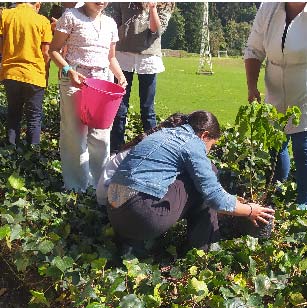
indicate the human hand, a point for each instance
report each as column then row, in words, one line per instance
column 76, row 78
column 53, row 23
column 122, row 81
column 152, row 5
column 254, row 94
column 260, row 213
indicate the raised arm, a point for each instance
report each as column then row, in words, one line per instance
column 159, row 16
column 154, row 19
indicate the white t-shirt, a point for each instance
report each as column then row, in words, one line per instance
column 89, row 39
column 106, row 176
column 140, row 63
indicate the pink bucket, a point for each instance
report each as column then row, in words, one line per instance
column 98, row 102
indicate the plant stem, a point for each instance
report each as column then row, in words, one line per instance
column 269, row 182
column 274, row 163
column 250, row 163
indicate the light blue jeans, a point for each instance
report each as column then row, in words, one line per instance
column 299, row 148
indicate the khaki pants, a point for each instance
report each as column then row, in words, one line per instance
column 84, row 150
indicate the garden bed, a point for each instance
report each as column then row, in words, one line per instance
column 63, row 254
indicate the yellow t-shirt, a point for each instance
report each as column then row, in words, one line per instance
column 23, row 31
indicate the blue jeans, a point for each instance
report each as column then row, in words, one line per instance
column 299, row 148
column 147, row 91
column 22, row 95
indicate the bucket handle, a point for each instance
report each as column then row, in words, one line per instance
column 105, row 92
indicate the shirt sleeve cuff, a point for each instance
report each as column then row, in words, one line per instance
column 251, row 53
column 230, row 203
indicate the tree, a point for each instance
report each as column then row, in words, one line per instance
column 234, row 19
column 237, row 11
column 236, row 35
column 174, row 36
column 217, row 39
column 45, row 8
column 193, row 15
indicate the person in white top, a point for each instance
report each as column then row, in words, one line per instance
column 90, row 37
column 279, row 35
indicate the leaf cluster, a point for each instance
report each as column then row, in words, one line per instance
column 248, row 150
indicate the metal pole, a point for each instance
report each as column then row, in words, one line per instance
column 205, row 59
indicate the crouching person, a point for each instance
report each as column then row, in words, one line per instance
column 167, row 177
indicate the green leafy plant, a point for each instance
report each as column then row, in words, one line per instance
column 250, row 147
column 247, row 156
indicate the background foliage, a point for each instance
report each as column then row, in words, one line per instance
column 229, row 24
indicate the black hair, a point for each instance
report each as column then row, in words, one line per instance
column 174, row 120
column 56, row 11
column 205, row 121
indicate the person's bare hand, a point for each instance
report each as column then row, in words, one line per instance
column 53, row 23
column 152, row 5
column 254, row 94
column 122, row 81
column 76, row 78
column 260, row 214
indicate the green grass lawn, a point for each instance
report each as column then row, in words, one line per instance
column 53, row 73
column 180, row 89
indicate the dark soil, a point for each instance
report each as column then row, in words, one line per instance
column 12, row 292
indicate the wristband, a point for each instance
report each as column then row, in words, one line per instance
column 65, row 70
column 250, row 211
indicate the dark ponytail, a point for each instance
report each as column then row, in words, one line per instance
column 174, row 120
column 205, row 121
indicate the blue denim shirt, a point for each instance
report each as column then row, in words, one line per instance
column 153, row 164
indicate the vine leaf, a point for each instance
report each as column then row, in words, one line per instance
column 63, row 264
column 131, row 301
column 4, row 231
column 16, row 181
column 45, row 246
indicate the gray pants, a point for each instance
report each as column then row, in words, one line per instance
column 145, row 217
